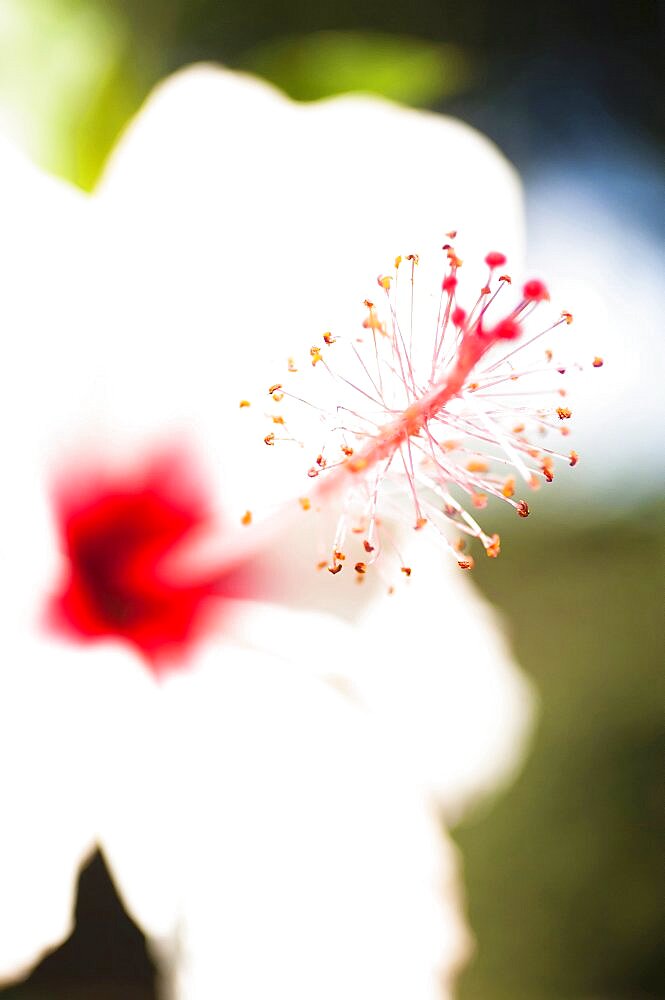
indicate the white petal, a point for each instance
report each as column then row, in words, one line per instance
column 430, row 664
column 246, row 225
column 51, row 710
column 53, row 737
column 439, row 672
column 45, row 377
column 225, row 783
column 278, row 847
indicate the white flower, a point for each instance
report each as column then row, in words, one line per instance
column 265, row 810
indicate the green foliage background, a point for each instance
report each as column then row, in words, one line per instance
column 563, row 873
column 562, row 870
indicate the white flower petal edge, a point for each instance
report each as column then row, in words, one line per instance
column 429, row 664
column 291, row 212
column 257, row 224
column 262, row 222
column 449, row 691
column 47, row 264
column 57, row 712
column 51, row 715
column 304, row 861
column 246, row 225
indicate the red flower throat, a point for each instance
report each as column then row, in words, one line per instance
column 117, row 531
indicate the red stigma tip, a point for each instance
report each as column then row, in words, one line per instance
column 507, row 329
column 495, row 259
column 535, row 291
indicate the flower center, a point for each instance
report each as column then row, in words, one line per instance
column 116, row 532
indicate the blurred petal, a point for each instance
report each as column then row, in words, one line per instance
column 439, row 672
column 45, row 376
column 245, row 225
column 248, row 807
column 53, row 715
column 47, row 750
column 429, row 664
column 262, row 222
column 291, row 854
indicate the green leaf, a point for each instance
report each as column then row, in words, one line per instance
column 406, row 69
column 67, row 83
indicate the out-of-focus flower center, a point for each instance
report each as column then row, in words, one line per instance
column 116, row 532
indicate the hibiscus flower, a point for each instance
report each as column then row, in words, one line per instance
column 258, row 749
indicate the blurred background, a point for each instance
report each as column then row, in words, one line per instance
column 562, row 870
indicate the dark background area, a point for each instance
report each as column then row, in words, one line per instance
column 562, row 870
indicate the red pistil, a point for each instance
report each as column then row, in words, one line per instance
column 456, row 386
column 473, row 345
